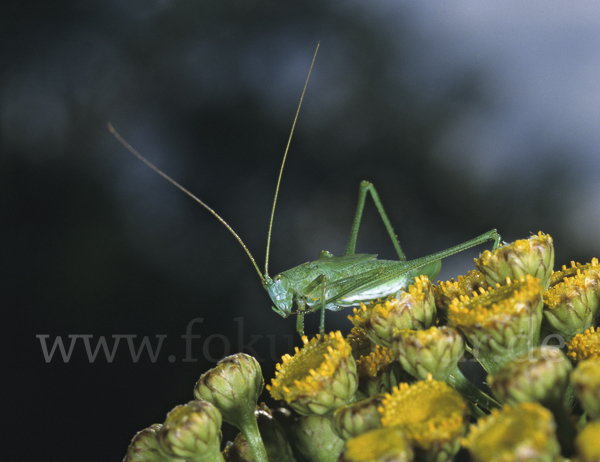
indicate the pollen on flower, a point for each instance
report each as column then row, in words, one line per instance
column 583, row 279
column 362, row 314
column 516, row 297
column 446, row 291
column 567, row 272
column 420, row 288
column 585, row 345
column 373, row 363
column 359, row 342
column 572, row 303
column 569, row 287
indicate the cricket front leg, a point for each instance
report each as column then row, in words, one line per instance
column 323, row 292
column 300, row 318
column 366, row 187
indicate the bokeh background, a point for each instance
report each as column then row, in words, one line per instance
column 466, row 116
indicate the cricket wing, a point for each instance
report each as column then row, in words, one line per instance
column 344, row 262
column 395, row 277
column 339, row 290
column 381, row 282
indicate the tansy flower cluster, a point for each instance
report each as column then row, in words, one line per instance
column 393, row 389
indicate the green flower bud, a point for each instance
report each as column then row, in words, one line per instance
column 533, row 256
column 144, row 447
column 192, row 432
column 571, row 304
column 585, row 345
column 234, row 386
column 315, row 440
column 540, row 376
column 434, row 351
column 387, row 444
column 588, row 449
column 318, row 378
column 523, row 432
column 353, row 419
column 432, row 415
column 501, row 323
column 379, row 372
column 414, row 309
column 586, row 381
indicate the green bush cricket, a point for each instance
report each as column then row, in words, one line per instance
column 332, row 282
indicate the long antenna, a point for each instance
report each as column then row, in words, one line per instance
column 283, row 163
column 172, row 181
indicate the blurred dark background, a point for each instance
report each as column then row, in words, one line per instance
column 465, row 116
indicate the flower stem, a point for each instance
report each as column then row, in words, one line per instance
column 565, row 429
column 252, row 434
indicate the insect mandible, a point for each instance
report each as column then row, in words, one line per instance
column 333, row 283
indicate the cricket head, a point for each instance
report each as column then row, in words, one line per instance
column 281, row 293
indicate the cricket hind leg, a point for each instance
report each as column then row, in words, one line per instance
column 430, row 261
column 366, row 187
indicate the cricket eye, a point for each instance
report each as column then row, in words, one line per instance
column 282, row 283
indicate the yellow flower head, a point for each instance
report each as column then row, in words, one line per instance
column 431, row 413
column 587, row 445
column 376, row 362
column 491, row 319
column 319, row 378
column 447, row 291
column 572, row 302
column 585, row 345
column 510, row 434
column 378, row 372
column 379, row 445
column 360, row 343
column 415, row 309
column 534, row 256
column 567, row 272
